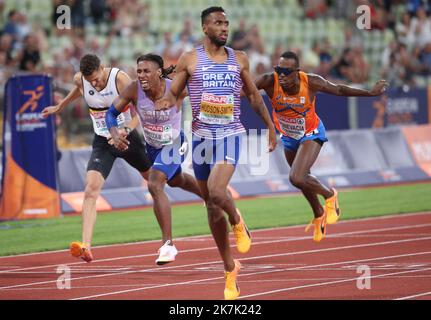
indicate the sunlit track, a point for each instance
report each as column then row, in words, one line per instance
column 282, row 262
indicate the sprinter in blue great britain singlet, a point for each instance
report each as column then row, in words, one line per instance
column 164, row 141
column 215, row 75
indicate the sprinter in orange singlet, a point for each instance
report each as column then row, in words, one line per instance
column 293, row 98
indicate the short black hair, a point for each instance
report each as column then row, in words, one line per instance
column 88, row 64
column 290, row 55
column 208, row 11
column 151, row 57
column 159, row 60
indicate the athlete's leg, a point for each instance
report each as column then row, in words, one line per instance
column 300, row 175
column 162, row 207
column 311, row 197
column 186, row 182
column 137, row 156
column 227, row 153
column 145, row 174
column 202, row 153
column 98, row 168
column 219, row 195
column 216, row 218
column 218, row 225
column 218, row 181
column 163, row 171
column 94, row 183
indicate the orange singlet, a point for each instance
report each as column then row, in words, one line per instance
column 294, row 115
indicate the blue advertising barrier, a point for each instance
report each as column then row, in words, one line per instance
column 30, row 186
column 333, row 111
column 394, row 108
column 351, row 158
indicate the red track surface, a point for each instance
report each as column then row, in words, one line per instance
column 283, row 263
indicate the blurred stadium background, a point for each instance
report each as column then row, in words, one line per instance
column 373, row 140
column 323, row 32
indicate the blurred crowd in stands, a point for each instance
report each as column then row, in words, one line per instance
column 405, row 59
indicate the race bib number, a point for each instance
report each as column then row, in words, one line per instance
column 99, row 123
column 216, row 109
column 158, row 135
column 293, row 127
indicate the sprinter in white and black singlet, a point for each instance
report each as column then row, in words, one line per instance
column 100, row 86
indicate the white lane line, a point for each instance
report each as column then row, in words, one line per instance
column 215, row 262
column 250, row 274
column 219, row 282
column 334, row 235
column 303, row 268
column 415, row 296
column 336, row 248
column 391, row 216
column 327, row 283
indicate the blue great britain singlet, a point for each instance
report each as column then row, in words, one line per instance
column 214, row 90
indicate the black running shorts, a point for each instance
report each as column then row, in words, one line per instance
column 103, row 155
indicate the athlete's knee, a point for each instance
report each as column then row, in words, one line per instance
column 92, row 190
column 215, row 217
column 210, row 205
column 217, row 195
column 297, row 180
column 155, row 187
column 214, row 212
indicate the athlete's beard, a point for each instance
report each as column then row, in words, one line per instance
column 217, row 41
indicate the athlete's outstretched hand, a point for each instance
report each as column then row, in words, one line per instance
column 379, row 88
column 50, row 110
column 272, row 139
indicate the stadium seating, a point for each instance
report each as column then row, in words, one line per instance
column 283, row 24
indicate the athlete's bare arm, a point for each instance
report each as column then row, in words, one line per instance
column 134, row 122
column 255, row 98
column 317, row 83
column 184, row 70
column 128, row 95
column 123, row 80
column 266, row 82
column 74, row 94
column 181, row 98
